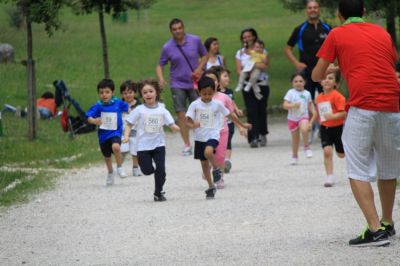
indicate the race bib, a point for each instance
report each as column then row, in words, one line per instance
column 153, row 123
column 205, row 117
column 324, row 108
column 109, row 121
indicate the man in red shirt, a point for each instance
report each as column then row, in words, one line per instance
column 371, row 139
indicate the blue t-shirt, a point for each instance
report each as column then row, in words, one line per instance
column 115, row 108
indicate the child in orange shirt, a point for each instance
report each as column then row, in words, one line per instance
column 46, row 105
column 331, row 112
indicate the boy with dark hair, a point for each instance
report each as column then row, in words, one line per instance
column 107, row 114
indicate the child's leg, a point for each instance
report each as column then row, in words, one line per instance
column 116, row 148
column 220, row 151
column 109, row 166
column 159, row 173
column 228, row 154
column 303, row 125
column 254, row 76
column 295, row 142
column 135, row 161
column 205, row 166
column 209, row 154
column 242, row 78
column 328, row 160
column 146, row 162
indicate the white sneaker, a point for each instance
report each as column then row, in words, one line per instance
column 187, row 151
column 328, row 181
column 238, row 87
column 121, row 172
column 248, row 87
column 110, row 178
column 308, row 153
column 294, row 161
column 136, row 171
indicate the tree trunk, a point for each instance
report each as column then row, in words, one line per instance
column 391, row 23
column 31, row 84
column 104, row 45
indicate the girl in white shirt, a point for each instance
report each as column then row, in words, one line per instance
column 299, row 104
column 149, row 119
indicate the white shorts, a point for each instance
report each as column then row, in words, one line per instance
column 371, row 143
column 130, row 146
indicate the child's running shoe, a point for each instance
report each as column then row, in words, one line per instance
column 294, row 160
column 160, row 197
column 217, row 174
column 328, row 181
column 221, row 184
column 210, row 193
column 110, row 178
column 389, row 228
column 371, row 239
column 187, row 151
column 308, row 152
column 136, row 171
column 121, row 172
column 227, row 166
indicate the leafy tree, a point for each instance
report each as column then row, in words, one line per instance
column 36, row 11
column 139, row 5
column 113, row 7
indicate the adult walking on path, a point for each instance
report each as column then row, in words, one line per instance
column 256, row 109
column 366, row 57
column 308, row 37
column 268, row 214
column 187, row 57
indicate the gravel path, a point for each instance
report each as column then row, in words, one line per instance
column 270, row 213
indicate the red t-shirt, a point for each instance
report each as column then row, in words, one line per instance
column 366, row 57
column 337, row 103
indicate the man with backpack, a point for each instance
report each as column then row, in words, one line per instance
column 309, row 37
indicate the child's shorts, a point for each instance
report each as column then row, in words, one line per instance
column 294, row 125
column 332, row 136
column 130, row 146
column 106, row 146
column 200, row 147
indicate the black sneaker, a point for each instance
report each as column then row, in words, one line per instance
column 160, row 197
column 254, row 143
column 370, row 239
column 217, row 174
column 210, row 193
column 389, row 228
column 263, row 140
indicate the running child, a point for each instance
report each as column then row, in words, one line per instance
column 223, row 87
column 128, row 90
column 220, row 151
column 107, row 114
column 149, row 119
column 331, row 112
column 299, row 104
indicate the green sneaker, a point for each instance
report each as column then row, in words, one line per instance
column 389, row 228
column 371, row 239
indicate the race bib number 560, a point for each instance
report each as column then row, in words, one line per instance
column 153, row 123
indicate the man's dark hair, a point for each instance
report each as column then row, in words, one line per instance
column 351, row 8
column 175, row 21
column 206, row 82
column 105, row 83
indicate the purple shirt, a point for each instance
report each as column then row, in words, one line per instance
column 180, row 73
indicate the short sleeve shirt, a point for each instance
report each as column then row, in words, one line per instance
column 209, row 116
column 312, row 39
column 111, row 116
column 180, row 72
column 304, row 98
column 332, row 102
column 149, row 122
column 366, row 57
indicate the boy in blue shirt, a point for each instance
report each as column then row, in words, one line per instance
column 107, row 114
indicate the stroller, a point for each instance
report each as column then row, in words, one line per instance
column 72, row 124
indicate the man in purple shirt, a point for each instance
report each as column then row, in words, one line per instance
column 187, row 57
